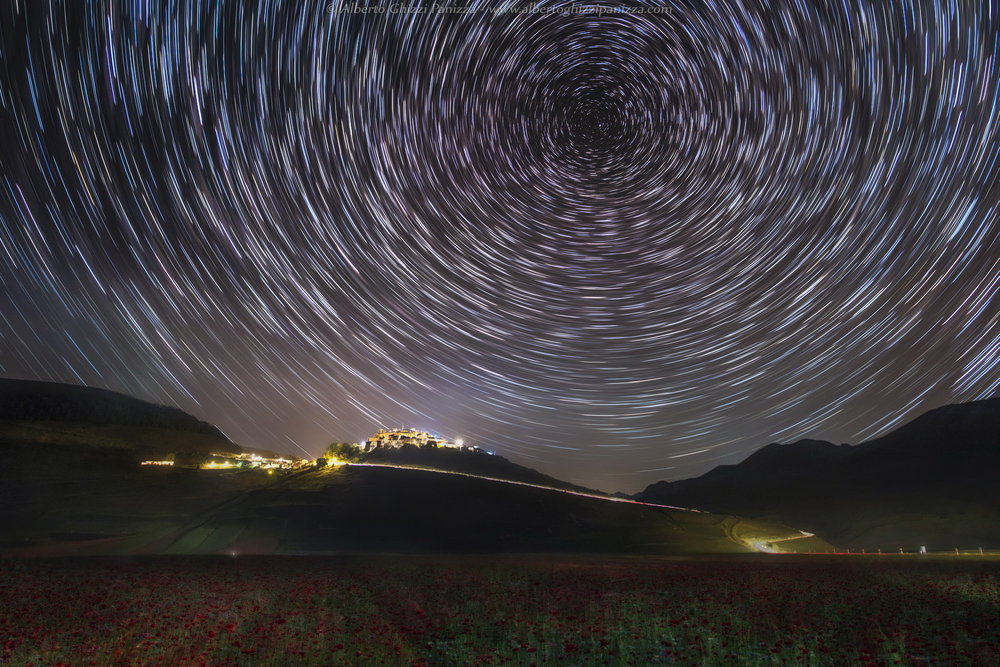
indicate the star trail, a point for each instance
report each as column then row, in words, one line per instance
column 618, row 242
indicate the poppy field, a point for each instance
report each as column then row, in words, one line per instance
column 519, row 610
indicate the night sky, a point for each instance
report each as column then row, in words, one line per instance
column 616, row 246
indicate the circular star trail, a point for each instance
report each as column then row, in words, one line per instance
column 619, row 242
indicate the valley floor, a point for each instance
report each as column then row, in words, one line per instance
column 522, row 610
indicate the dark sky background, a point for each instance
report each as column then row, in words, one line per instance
column 617, row 247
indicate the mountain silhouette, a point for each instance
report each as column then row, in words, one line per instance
column 931, row 482
column 52, row 415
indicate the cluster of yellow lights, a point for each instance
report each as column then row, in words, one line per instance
column 248, row 460
column 213, row 465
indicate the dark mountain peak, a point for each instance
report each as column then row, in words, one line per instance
column 35, row 401
column 930, row 481
column 975, row 415
column 972, row 409
column 818, row 445
column 798, row 450
column 772, row 465
column 656, row 490
column 77, row 421
column 962, row 427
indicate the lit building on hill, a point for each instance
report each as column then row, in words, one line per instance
column 401, row 437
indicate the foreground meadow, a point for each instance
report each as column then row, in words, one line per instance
column 518, row 610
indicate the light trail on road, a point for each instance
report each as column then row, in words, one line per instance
column 528, row 484
column 759, row 545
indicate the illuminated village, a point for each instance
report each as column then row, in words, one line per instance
column 253, row 460
column 383, row 439
column 243, row 460
column 402, row 437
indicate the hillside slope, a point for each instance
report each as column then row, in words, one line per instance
column 47, row 413
column 73, row 485
column 478, row 463
column 102, row 504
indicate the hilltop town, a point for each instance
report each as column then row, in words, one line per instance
column 403, row 437
column 383, row 440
